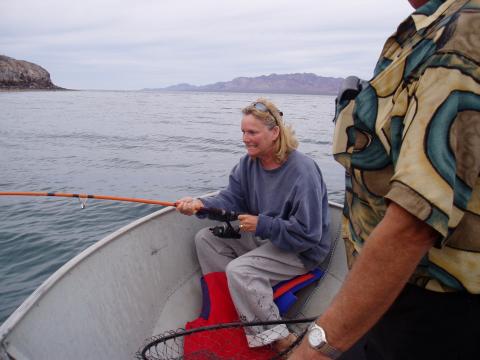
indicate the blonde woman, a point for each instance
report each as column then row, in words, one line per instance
column 284, row 223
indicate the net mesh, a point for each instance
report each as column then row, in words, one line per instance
column 222, row 342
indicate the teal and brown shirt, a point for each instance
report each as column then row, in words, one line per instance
column 412, row 136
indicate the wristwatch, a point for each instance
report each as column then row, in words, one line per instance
column 318, row 341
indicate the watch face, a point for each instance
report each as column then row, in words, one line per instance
column 316, row 338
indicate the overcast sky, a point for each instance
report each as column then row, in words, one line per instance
column 134, row 44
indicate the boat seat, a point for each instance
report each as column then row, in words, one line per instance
column 284, row 292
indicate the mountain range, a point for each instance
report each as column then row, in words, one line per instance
column 300, row 83
column 19, row 74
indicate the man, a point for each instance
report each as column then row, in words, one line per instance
column 410, row 143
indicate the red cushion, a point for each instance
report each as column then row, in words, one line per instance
column 225, row 343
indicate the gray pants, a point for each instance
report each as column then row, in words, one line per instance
column 252, row 266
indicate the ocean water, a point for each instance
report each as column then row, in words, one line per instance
column 152, row 145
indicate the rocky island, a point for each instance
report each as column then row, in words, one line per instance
column 24, row 75
column 300, row 83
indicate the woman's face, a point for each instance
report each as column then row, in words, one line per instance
column 258, row 138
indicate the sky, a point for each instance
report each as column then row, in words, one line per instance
column 135, row 44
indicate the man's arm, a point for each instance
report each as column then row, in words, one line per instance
column 387, row 260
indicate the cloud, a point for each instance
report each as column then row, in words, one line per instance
column 126, row 44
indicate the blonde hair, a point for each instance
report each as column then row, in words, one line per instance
column 286, row 141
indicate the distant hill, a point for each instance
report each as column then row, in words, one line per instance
column 306, row 83
column 19, row 74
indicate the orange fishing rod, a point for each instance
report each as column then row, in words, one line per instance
column 213, row 213
column 87, row 196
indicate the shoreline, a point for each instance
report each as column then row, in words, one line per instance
column 6, row 90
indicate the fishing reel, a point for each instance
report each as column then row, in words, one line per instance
column 225, row 230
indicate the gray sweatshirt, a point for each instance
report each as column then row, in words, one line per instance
column 290, row 201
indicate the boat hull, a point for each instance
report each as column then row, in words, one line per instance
column 137, row 282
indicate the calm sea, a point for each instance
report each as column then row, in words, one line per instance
column 138, row 144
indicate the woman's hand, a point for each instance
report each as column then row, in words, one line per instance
column 248, row 223
column 188, row 205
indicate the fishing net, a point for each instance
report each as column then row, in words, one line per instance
column 220, row 342
column 220, row 333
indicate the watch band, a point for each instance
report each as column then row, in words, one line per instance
column 330, row 351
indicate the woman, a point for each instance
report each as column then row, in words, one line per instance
column 284, row 223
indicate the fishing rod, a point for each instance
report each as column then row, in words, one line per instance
column 87, row 196
column 212, row 213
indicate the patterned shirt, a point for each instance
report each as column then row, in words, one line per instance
column 412, row 135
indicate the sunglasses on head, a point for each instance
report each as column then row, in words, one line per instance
column 263, row 108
